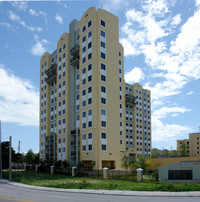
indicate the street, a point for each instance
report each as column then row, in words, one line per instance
column 13, row 193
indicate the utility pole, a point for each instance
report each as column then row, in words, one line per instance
column 10, row 159
column 19, row 148
column 0, row 154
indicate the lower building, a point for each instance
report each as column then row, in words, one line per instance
column 192, row 144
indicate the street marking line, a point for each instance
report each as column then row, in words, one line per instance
column 15, row 199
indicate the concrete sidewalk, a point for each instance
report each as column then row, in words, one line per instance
column 106, row 192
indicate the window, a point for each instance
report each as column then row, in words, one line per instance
column 83, row 81
column 103, row 45
column 89, row 101
column 83, row 70
column 103, row 124
column 83, row 28
column 83, row 136
column 89, row 135
column 90, row 112
column 83, row 39
column 89, row 67
column 103, row 89
column 103, row 147
column 90, row 89
column 83, row 60
column 89, row 56
column 77, row 37
column 83, row 125
column 120, row 53
column 89, row 124
column 89, row 45
column 103, row 55
column 103, row 78
column 63, row 46
column 89, row 78
column 83, row 103
column 89, row 147
column 84, row 114
column 103, row 34
column 103, row 135
column 103, row 23
column 83, row 49
column 103, row 66
column 59, row 50
column 83, row 148
column 103, row 112
column 121, row 142
column 103, row 100
column 120, row 62
column 83, row 92
column 89, row 34
column 89, row 23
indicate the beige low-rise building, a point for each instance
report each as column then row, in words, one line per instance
column 192, row 144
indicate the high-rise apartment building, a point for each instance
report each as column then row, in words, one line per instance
column 82, row 96
column 138, row 119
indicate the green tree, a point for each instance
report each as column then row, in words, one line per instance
column 155, row 153
column 183, row 150
column 30, row 157
column 125, row 163
column 5, row 154
column 141, row 163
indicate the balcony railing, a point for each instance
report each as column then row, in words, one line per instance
column 75, row 50
column 51, row 78
column 74, row 61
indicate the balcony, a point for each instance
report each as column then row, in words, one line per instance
column 52, row 69
column 130, row 100
column 74, row 61
column 51, row 78
column 75, row 50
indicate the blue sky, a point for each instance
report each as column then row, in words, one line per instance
column 161, row 42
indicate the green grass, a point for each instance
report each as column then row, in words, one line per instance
column 66, row 182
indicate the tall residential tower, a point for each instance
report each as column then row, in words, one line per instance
column 82, row 95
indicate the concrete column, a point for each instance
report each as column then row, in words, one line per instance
column 36, row 168
column 73, row 171
column 105, row 173
column 139, row 174
column 52, row 169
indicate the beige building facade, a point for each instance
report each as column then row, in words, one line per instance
column 192, row 144
column 82, row 96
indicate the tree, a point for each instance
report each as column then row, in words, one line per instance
column 141, row 163
column 183, row 150
column 5, row 154
column 125, row 161
column 30, row 157
column 154, row 153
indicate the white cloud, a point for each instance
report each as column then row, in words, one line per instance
column 38, row 48
column 134, row 76
column 197, row 2
column 5, row 24
column 34, row 13
column 190, row 93
column 176, row 20
column 16, row 18
column 20, row 5
column 19, row 101
column 167, row 132
column 59, row 19
column 113, row 5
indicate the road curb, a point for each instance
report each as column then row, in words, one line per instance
column 107, row 192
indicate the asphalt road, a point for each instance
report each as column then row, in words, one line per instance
column 10, row 193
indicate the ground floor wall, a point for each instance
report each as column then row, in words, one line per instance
column 158, row 162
